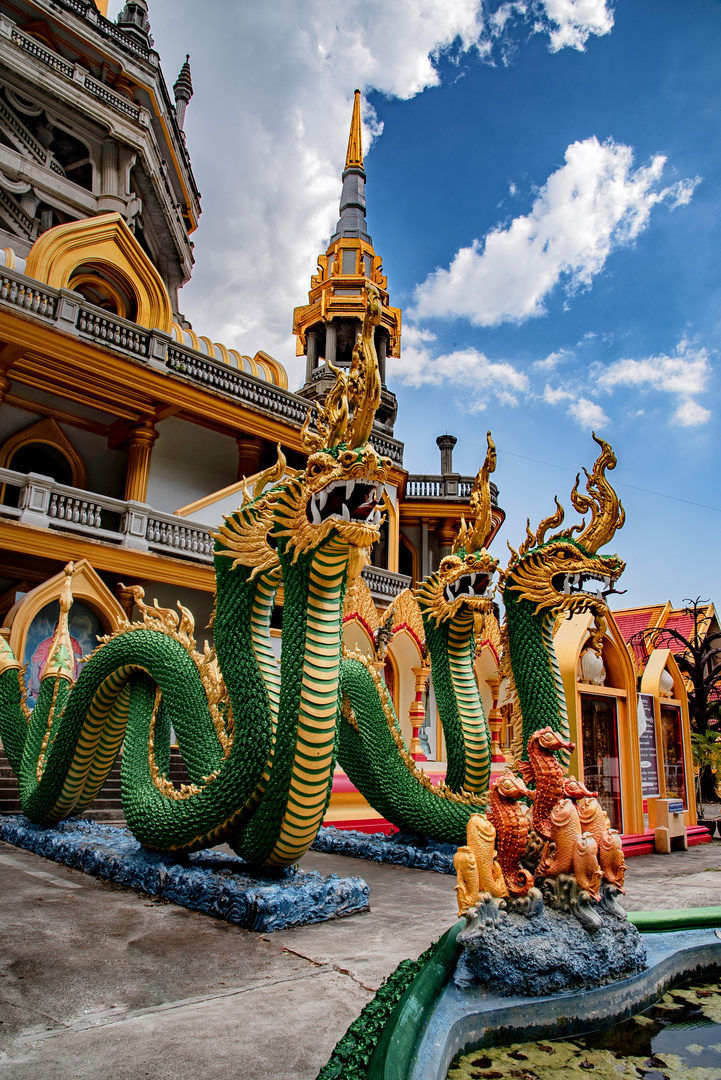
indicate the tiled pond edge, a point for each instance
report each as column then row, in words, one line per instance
column 467, row 1019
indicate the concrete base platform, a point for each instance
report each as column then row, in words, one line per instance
column 101, row 983
column 216, row 883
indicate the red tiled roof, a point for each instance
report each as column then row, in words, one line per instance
column 631, row 622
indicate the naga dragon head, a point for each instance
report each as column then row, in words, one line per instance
column 341, row 488
column 556, row 574
column 465, row 577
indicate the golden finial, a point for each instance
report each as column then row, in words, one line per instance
column 480, row 501
column 354, row 156
column 358, row 392
column 61, row 658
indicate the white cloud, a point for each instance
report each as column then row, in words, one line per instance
column 589, row 206
column 481, row 379
column 573, row 22
column 585, row 412
column 552, row 361
column 568, row 23
column 684, row 376
column 553, row 395
column 267, row 132
column 588, row 414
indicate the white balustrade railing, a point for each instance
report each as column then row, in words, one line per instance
column 384, row 585
column 441, row 487
column 46, row 504
column 166, row 532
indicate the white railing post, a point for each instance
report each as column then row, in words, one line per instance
column 134, row 526
column 35, row 500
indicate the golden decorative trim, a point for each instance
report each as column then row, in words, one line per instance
column 359, row 390
column 60, row 663
column 406, row 612
column 107, row 241
column 607, row 513
column 480, row 506
column 49, row 432
column 359, row 604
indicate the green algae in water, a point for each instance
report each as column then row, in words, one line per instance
column 678, row 1038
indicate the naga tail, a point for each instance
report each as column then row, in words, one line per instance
column 13, row 712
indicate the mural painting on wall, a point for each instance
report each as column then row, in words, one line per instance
column 85, row 627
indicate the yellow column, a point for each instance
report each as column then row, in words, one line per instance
column 417, row 712
column 393, row 532
column 495, row 722
column 140, row 445
column 8, row 355
column 249, row 450
column 446, row 532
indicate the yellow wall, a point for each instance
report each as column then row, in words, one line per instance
column 620, row 684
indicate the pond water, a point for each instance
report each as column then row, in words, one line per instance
column 678, row 1038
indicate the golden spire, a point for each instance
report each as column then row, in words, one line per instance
column 481, row 505
column 346, row 415
column 354, row 156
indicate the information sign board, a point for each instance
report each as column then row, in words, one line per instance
column 648, row 747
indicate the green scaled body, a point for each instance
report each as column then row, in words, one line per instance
column 259, row 744
column 372, row 752
column 465, row 729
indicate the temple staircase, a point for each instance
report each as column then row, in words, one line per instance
column 107, row 806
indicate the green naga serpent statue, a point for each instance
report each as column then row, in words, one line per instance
column 548, row 578
column 377, row 760
column 545, row 580
column 258, row 739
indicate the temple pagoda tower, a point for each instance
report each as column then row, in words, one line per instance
column 326, row 327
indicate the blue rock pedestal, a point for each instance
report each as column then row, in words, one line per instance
column 399, row 849
column 549, row 953
column 209, row 881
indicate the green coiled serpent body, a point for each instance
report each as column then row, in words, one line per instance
column 266, row 792
column 540, row 693
column 368, row 750
column 465, row 729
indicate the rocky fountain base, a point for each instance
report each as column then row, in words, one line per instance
column 548, row 953
column 542, row 949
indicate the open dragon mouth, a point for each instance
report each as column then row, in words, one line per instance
column 349, row 500
column 573, row 584
column 474, row 586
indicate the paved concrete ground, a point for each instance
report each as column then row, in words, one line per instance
column 99, row 983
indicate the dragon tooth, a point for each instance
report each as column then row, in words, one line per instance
column 349, row 485
column 345, row 513
column 322, row 498
column 314, row 511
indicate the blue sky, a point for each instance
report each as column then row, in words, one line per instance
column 543, row 185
